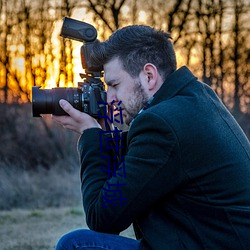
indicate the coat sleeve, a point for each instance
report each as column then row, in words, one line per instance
column 151, row 172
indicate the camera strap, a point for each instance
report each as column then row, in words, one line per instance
column 97, row 96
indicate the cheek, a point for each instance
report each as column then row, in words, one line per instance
column 120, row 94
column 110, row 95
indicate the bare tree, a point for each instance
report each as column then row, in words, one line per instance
column 239, row 53
column 4, row 56
column 210, row 35
column 103, row 9
column 217, row 32
column 66, row 8
column 11, row 77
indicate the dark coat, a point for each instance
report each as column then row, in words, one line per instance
column 187, row 183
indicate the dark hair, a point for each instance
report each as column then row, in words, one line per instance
column 135, row 46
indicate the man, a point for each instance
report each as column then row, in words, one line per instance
column 186, row 160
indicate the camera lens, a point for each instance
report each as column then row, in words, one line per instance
column 46, row 101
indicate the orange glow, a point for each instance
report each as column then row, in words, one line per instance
column 43, row 68
column 180, row 59
column 142, row 16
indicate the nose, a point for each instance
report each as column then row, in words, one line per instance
column 111, row 96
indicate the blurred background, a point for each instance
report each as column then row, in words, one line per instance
column 38, row 160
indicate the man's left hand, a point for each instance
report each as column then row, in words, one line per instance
column 77, row 120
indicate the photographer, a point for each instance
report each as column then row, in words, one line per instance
column 186, row 160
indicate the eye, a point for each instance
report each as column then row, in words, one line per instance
column 115, row 85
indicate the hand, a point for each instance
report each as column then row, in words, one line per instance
column 102, row 121
column 77, row 120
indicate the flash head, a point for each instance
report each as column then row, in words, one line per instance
column 76, row 30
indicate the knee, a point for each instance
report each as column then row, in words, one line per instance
column 64, row 242
column 69, row 240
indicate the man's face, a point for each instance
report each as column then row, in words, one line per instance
column 122, row 87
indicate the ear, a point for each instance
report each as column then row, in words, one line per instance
column 152, row 75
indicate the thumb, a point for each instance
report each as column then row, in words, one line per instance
column 66, row 106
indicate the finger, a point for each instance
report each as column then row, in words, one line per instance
column 68, row 108
column 59, row 119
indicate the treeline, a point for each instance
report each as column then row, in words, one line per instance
column 211, row 37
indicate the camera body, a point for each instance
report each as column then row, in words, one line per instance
column 92, row 98
column 90, row 95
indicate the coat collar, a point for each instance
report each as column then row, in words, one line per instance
column 173, row 84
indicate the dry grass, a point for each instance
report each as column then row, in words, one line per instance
column 36, row 229
column 40, row 229
column 21, row 188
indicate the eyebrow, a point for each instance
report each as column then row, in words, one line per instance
column 110, row 82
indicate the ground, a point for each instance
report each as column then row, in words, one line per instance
column 40, row 229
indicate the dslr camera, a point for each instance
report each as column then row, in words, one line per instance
column 90, row 94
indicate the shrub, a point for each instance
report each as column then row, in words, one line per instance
column 38, row 160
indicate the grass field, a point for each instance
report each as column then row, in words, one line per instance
column 40, row 229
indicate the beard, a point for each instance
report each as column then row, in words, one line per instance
column 135, row 104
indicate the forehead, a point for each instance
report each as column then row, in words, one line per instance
column 113, row 69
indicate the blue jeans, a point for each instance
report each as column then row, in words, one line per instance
column 90, row 240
